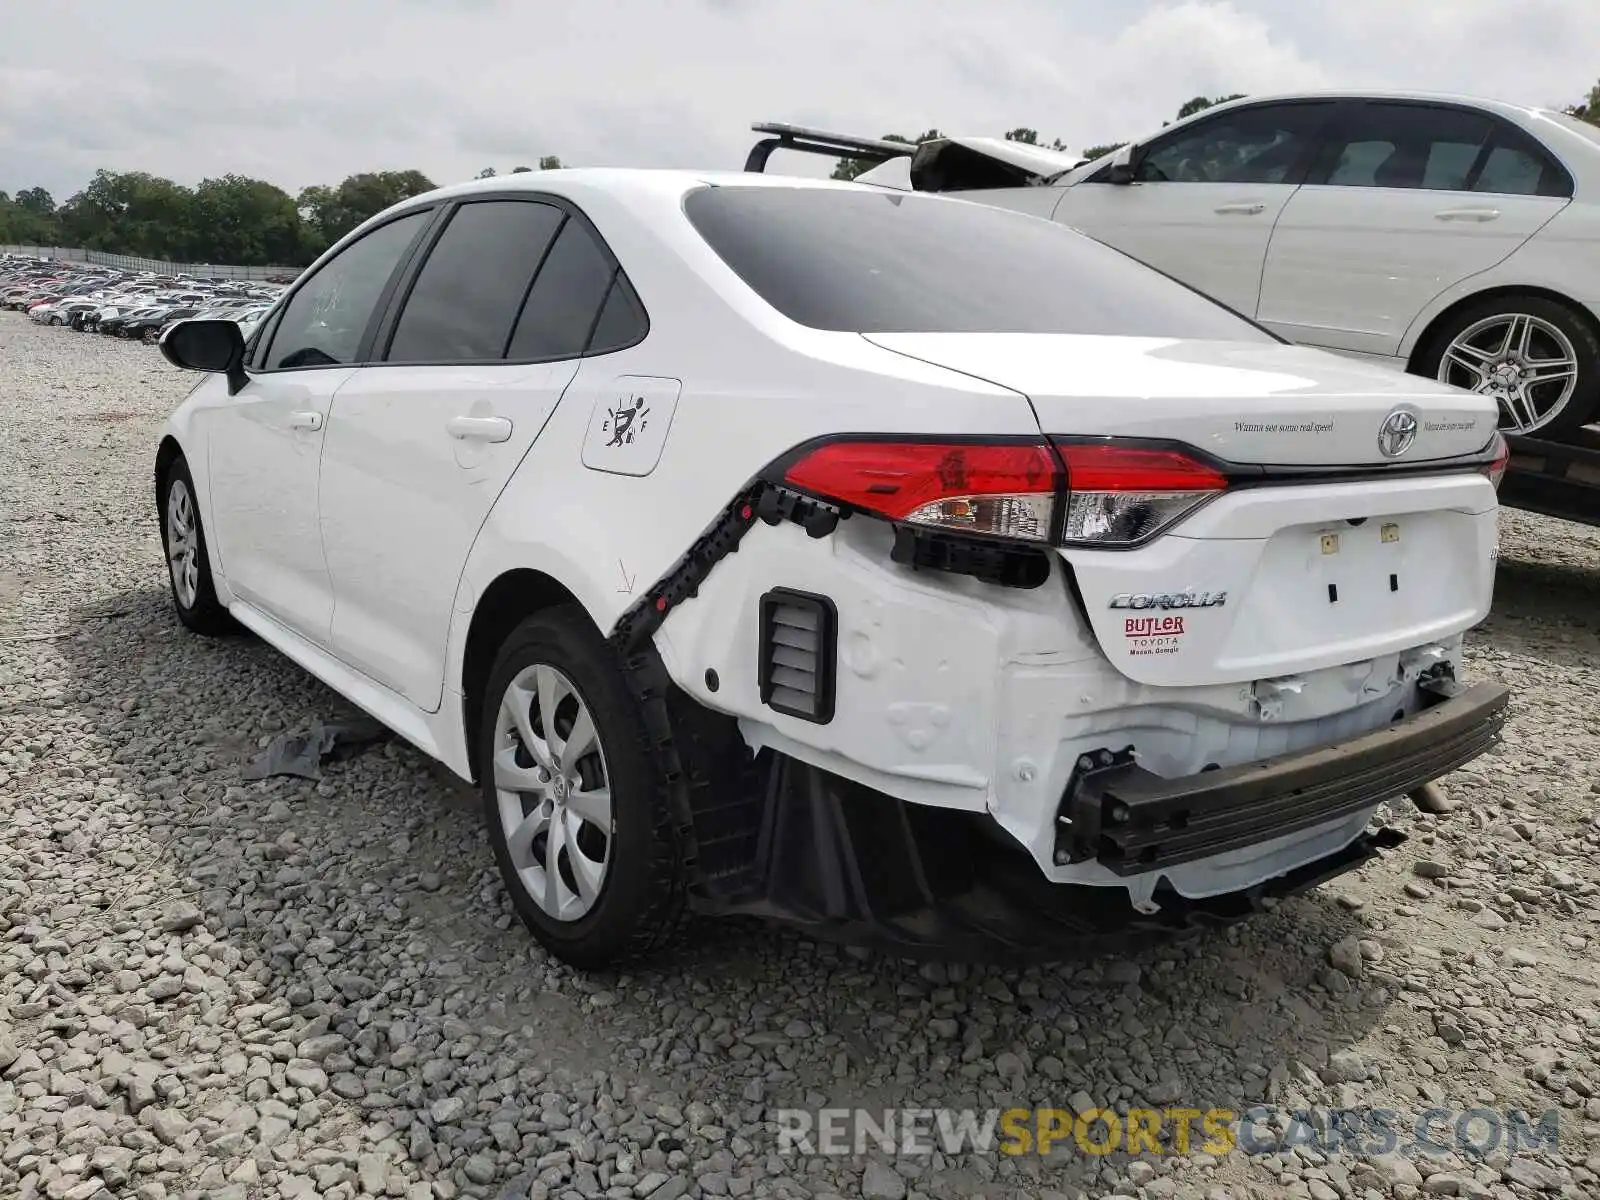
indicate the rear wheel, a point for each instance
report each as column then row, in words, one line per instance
column 188, row 567
column 579, row 820
column 1536, row 357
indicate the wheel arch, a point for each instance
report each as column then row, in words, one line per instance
column 167, row 453
column 510, row 599
column 1425, row 340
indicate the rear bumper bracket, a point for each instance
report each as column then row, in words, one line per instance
column 1133, row 821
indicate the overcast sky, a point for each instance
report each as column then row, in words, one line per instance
column 309, row 91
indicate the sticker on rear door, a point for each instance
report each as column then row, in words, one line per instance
column 1153, row 635
column 629, row 424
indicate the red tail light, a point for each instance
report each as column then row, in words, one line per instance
column 1495, row 469
column 1005, row 490
column 1119, row 496
column 1112, row 496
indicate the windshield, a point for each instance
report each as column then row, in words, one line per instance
column 872, row 262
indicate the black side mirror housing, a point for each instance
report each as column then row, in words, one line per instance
column 215, row 346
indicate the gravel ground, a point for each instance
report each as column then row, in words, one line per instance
column 291, row 988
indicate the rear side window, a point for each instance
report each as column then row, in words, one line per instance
column 870, row 262
column 1517, row 165
column 467, row 295
column 1408, row 146
column 1436, row 148
column 622, row 320
column 564, row 305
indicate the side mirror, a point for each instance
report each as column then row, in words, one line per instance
column 1124, row 165
column 215, row 346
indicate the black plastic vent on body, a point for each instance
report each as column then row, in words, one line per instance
column 798, row 631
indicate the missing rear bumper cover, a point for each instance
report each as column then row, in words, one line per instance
column 1134, row 821
column 846, row 863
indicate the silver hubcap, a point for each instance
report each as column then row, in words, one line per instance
column 553, row 791
column 1528, row 365
column 183, row 543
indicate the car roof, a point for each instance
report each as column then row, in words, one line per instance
column 642, row 181
column 1503, row 107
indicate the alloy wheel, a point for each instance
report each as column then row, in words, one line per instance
column 1527, row 364
column 553, row 792
column 183, row 543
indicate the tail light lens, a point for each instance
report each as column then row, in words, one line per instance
column 1098, row 494
column 1005, row 490
column 1495, row 469
column 1119, row 496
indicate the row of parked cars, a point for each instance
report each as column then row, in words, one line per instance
column 135, row 306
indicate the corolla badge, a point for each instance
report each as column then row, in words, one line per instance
column 1169, row 600
column 1397, row 433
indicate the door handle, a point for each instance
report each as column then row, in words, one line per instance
column 305, row 420
column 1467, row 214
column 478, row 429
column 1248, row 208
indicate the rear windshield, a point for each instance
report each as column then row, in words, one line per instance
column 866, row 262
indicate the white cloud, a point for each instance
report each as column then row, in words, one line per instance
column 308, row 91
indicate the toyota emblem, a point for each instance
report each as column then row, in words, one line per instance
column 1395, row 435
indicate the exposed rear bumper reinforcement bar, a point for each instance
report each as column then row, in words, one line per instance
column 1133, row 821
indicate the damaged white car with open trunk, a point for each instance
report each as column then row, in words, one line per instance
column 912, row 570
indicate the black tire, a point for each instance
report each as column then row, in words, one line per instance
column 1580, row 409
column 641, row 902
column 204, row 613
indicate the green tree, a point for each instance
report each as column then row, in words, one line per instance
column 131, row 212
column 849, row 168
column 330, row 213
column 247, row 221
column 29, row 219
column 549, row 163
column 1200, row 103
column 486, row 173
column 520, row 170
column 36, row 201
column 1589, row 109
column 1098, row 151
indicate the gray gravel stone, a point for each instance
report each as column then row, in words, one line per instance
column 879, row 1182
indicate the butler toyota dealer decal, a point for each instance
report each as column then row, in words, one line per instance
column 1160, row 635
column 1153, row 635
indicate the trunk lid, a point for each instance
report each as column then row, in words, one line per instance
column 1247, row 402
column 1266, row 580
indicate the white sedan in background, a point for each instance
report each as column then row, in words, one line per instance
column 1452, row 237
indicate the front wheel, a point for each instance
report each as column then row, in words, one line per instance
column 183, row 538
column 1536, row 357
column 580, row 821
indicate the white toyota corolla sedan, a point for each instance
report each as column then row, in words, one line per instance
column 910, row 569
column 1454, row 237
